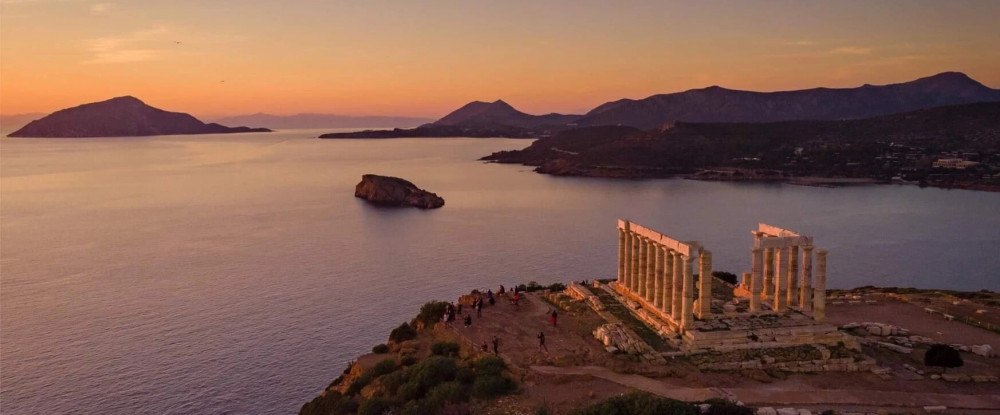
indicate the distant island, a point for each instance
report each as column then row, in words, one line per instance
column 308, row 120
column 125, row 116
column 713, row 104
column 954, row 146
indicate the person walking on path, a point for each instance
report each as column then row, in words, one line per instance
column 541, row 342
column 468, row 321
column 496, row 346
column 554, row 317
column 479, row 308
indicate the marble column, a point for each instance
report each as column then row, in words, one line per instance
column 687, row 316
column 621, row 256
column 819, row 293
column 769, row 274
column 628, row 260
column 658, row 271
column 704, row 285
column 792, row 279
column 678, row 288
column 756, row 279
column 805, row 294
column 781, row 261
column 634, row 263
column 668, row 281
column 643, row 265
column 650, row 289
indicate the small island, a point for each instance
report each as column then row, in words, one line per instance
column 393, row 191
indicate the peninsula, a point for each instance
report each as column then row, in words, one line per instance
column 125, row 116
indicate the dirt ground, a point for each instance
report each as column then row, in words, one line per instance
column 576, row 370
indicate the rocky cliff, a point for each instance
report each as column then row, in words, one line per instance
column 393, row 191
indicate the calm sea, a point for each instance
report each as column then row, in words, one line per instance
column 238, row 273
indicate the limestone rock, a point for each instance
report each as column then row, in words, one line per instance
column 393, row 191
column 984, row 350
column 767, row 410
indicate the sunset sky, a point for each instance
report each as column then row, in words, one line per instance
column 425, row 58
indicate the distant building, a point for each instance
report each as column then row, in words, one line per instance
column 953, row 163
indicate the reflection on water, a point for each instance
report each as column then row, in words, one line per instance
column 206, row 274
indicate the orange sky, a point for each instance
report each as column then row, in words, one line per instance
column 427, row 57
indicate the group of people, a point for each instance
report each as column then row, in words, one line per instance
column 477, row 304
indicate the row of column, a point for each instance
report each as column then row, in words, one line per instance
column 663, row 277
column 775, row 276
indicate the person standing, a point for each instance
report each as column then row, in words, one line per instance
column 479, row 308
column 541, row 342
column 554, row 317
column 496, row 346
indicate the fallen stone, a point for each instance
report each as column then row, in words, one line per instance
column 788, row 411
column 767, row 410
column 935, row 409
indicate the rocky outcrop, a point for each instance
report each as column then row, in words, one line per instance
column 393, row 191
column 121, row 117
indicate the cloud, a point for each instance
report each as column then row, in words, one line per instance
column 133, row 47
column 799, row 43
column 850, row 50
column 101, row 8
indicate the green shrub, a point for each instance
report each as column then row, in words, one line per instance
column 408, row 360
column 723, row 407
column 557, row 287
column 380, row 349
column 332, row 403
column 638, row 403
column 419, row 407
column 533, row 286
column 402, row 333
column 359, row 384
column 376, row 405
column 465, row 375
column 827, row 412
column 430, row 314
column 409, row 391
column 489, row 365
column 448, row 392
column 433, row 371
column 386, row 366
column 492, row 385
column 726, row 276
column 445, row 349
column 393, row 381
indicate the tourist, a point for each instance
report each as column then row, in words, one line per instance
column 541, row 342
column 484, row 347
column 496, row 346
column 501, row 291
column 468, row 320
column 514, row 299
column 479, row 308
column 554, row 317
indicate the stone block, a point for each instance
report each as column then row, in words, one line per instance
column 767, row 410
column 787, row 411
column 984, row 350
column 936, row 409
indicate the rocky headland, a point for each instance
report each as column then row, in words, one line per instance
column 121, row 117
column 435, row 365
column 393, row 191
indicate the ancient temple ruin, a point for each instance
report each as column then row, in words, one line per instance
column 777, row 304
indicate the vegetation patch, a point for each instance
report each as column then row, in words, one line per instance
column 638, row 403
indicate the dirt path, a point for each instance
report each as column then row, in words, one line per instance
column 778, row 395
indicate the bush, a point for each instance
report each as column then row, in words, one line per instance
column 332, row 403
column 638, row 403
column 430, row 314
column 492, row 385
column 393, row 381
column 380, row 349
column 409, row 391
column 726, row 276
column 359, row 384
column 384, row 367
column 408, row 360
column 557, row 287
column 374, row 406
column 448, row 392
column 489, row 366
column 465, row 375
column 402, row 333
column 723, row 407
column 445, row 349
column 533, row 286
column 433, row 371
column 418, row 407
column 943, row 355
